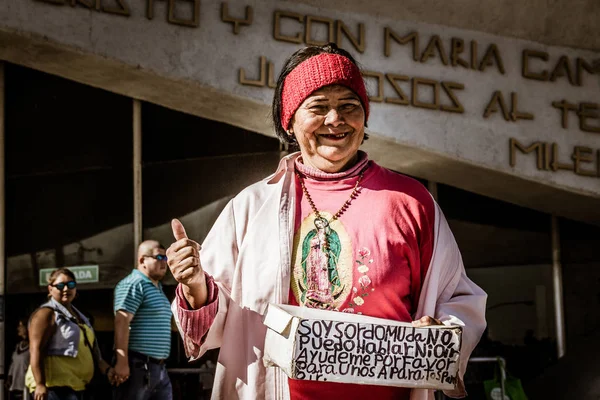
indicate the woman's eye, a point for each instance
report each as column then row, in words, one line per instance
column 318, row 108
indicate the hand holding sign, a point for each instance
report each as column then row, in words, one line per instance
column 426, row 321
column 184, row 262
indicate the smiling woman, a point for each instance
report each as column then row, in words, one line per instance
column 331, row 230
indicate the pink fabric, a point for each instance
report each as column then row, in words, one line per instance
column 318, row 175
column 197, row 322
column 390, row 225
column 319, row 71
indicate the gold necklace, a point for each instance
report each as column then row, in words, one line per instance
column 319, row 220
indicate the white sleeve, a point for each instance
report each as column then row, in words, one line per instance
column 450, row 296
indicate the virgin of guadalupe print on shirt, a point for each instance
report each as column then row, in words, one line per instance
column 322, row 263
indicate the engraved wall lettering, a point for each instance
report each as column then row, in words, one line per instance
column 121, row 8
column 516, row 146
column 457, row 46
column 194, row 22
column 402, row 98
column 490, row 58
column 342, row 30
column 379, row 76
column 527, row 55
column 435, row 43
column 411, row 37
column 417, row 83
column 277, row 35
column 262, row 76
column 236, row 22
column 449, row 88
column 562, row 68
column 308, row 32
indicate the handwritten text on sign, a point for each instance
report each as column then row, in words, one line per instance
column 330, row 350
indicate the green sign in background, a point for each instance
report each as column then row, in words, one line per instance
column 83, row 274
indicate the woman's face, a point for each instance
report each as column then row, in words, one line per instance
column 329, row 127
column 65, row 295
column 22, row 330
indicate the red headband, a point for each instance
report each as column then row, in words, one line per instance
column 321, row 70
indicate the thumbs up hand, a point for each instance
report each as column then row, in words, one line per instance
column 184, row 262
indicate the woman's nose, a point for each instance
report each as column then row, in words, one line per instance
column 334, row 118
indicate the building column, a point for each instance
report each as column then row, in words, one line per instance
column 2, row 235
column 433, row 189
column 137, row 177
column 557, row 285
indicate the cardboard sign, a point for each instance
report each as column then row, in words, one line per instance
column 320, row 345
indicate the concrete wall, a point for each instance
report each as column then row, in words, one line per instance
column 582, row 300
column 570, row 23
column 113, row 250
column 197, row 70
column 519, row 298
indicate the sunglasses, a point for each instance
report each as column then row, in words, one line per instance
column 69, row 285
column 159, row 257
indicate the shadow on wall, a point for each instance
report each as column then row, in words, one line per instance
column 197, row 224
column 575, row 376
column 110, row 250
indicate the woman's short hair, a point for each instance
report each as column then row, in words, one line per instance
column 290, row 64
column 61, row 271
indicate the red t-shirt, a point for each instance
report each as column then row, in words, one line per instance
column 382, row 246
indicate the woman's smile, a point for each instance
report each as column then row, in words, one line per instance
column 334, row 136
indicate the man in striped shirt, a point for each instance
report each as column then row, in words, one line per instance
column 143, row 329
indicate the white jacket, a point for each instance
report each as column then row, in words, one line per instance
column 248, row 251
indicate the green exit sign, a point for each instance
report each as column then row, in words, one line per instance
column 83, row 274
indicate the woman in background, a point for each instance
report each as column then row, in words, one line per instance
column 19, row 364
column 64, row 350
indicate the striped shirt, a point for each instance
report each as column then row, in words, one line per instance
column 150, row 328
